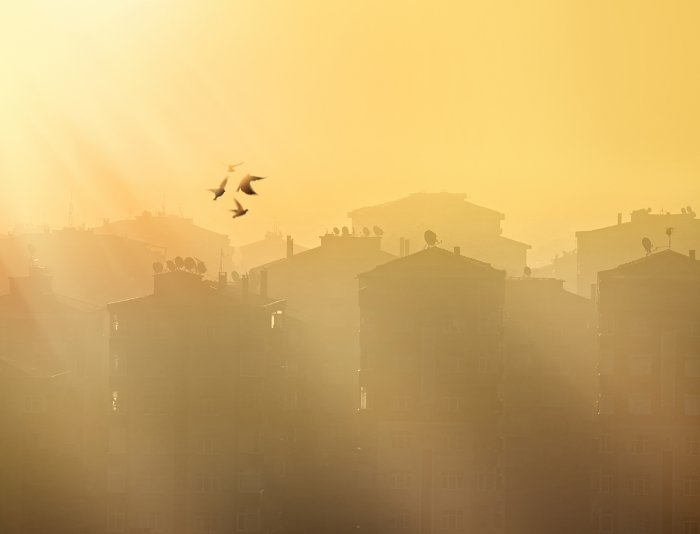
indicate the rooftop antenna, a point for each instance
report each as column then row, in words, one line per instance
column 669, row 233
column 646, row 243
column 378, row 231
column 336, row 230
column 430, row 239
column 70, row 215
column 366, row 231
column 527, row 271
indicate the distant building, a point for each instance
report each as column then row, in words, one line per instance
column 84, row 265
column 477, row 230
column 273, row 247
column 548, row 392
column 52, row 382
column 202, row 418
column 563, row 267
column 647, row 471
column 320, row 287
column 431, row 338
column 175, row 236
column 605, row 248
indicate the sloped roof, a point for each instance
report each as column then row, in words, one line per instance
column 431, row 260
column 421, row 198
column 667, row 263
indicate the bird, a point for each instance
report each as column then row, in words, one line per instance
column 232, row 168
column 239, row 211
column 220, row 190
column 246, row 186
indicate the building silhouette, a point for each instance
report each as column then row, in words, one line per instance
column 431, row 338
column 647, row 451
column 273, row 247
column 52, row 380
column 548, row 391
column 605, row 248
column 197, row 437
column 475, row 229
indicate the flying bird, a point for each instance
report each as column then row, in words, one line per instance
column 220, row 190
column 232, row 168
column 240, row 211
column 246, row 186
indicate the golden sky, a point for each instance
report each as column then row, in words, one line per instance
column 558, row 113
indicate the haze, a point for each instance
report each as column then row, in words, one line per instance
column 559, row 114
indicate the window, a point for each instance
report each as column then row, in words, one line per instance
column 400, row 479
column 116, row 522
column 248, row 518
column 691, row 404
column 155, row 522
column 401, row 402
column 692, row 446
column 117, row 363
column 452, row 480
column 485, row 480
column 640, row 445
column 116, row 480
column 400, row 440
column 692, row 365
column 639, row 364
column 639, row 404
column 363, row 398
column 455, row 404
column 249, row 482
column 454, row 440
column 691, row 525
column 691, row 487
column 276, row 319
column 639, row 525
column 208, row 406
column 606, row 404
column 605, row 444
column 400, row 520
column 34, row 403
column 639, row 485
column 205, row 483
column 605, row 523
column 115, row 323
column 603, row 482
column 207, row 446
column 154, row 482
column 249, row 442
column 118, row 404
column 452, row 519
column 206, row 523
column 606, row 367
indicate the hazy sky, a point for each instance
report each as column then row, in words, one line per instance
column 558, row 113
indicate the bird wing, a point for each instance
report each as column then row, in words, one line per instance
column 223, row 183
column 255, row 178
column 214, row 190
column 238, row 204
column 245, row 185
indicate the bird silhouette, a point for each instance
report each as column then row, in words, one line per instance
column 240, row 211
column 246, row 186
column 220, row 190
column 232, row 168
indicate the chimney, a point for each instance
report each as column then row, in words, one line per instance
column 244, row 287
column 223, row 281
column 401, row 247
column 406, row 247
column 263, row 283
column 458, row 251
column 290, row 246
column 619, row 218
column 691, row 253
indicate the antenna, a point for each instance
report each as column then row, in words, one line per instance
column 527, row 271
column 669, row 233
column 179, row 262
column 336, row 230
column 378, row 231
column 346, row 231
column 189, row 264
column 171, row 265
column 646, row 243
column 430, row 238
column 201, row 268
column 366, row 231
column 235, row 276
column 157, row 267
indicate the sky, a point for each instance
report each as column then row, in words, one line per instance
column 558, row 113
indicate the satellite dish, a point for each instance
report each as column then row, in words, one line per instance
column 189, row 264
column 646, row 243
column 378, row 231
column 157, row 267
column 171, row 265
column 201, row 268
column 527, row 271
column 684, row 211
column 366, row 231
column 430, row 238
column 336, row 230
column 235, row 276
column 346, row 231
column 179, row 262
